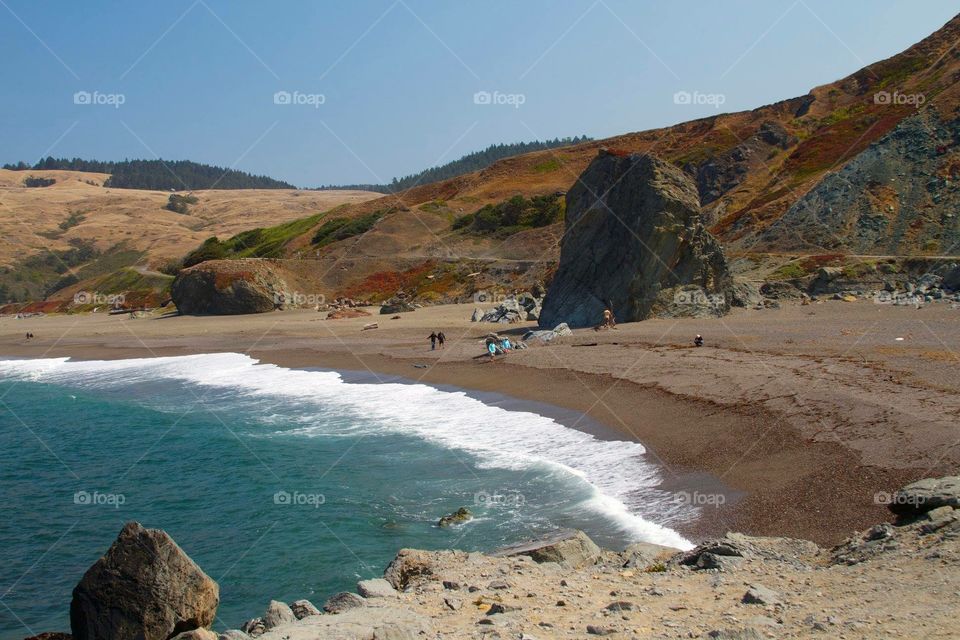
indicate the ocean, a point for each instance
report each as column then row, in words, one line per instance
column 285, row 483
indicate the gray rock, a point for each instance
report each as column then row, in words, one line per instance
column 620, row 605
column 376, row 588
column 394, row 306
column 278, row 613
column 343, row 601
column 477, row 315
column 254, row 627
column 568, row 548
column 454, row 604
column 951, row 280
column 759, row 594
column 633, row 248
column 408, row 566
column 597, row 630
column 924, row 495
column 937, row 519
column 233, row 634
column 745, row 294
column 641, row 555
column 146, row 587
column 303, row 608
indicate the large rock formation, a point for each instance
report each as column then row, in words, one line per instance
column 229, row 287
column 144, row 588
column 635, row 241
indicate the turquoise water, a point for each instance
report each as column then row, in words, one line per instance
column 282, row 484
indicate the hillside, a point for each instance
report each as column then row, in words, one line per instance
column 761, row 175
column 122, row 227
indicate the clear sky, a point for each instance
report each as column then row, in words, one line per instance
column 196, row 79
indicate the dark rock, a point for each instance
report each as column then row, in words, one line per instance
column 450, row 584
column 228, row 287
column 621, row 605
column 924, row 495
column 735, row 634
column 597, row 630
column 394, row 306
column 146, row 587
column 498, row 607
column 343, row 601
column 51, row 635
column 459, row 516
column 635, row 247
column 569, row 548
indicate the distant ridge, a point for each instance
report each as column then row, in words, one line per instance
column 467, row 164
column 160, row 175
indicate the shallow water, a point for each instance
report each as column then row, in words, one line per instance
column 280, row 483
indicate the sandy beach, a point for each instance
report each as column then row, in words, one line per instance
column 800, row 414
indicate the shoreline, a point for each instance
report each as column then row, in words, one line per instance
column 806, row 454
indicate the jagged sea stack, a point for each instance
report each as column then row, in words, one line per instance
column 634, row 241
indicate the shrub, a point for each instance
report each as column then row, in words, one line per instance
column 342, row 228
column 33, row 181
column 180, row 203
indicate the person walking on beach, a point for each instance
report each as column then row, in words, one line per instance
column 433, row 340
column 441, row 338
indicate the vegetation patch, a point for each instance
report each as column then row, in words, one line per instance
column 337, row 229
column 547, row 166
column 513, row 215
column 34, row 181
column 180, row 202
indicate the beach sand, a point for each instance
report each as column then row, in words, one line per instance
column 801, row 415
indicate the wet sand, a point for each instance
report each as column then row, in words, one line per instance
column 805, row 413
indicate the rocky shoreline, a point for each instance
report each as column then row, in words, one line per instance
column 563, row 586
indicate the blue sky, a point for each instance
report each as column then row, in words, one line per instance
column 197, row 78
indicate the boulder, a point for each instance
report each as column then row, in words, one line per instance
column 746, row 294
column 408, row 566
column 396, row 306
column 759, row 594
column 196, row 634
column 925, row 495
column 376, row 588
column 278, row 613
column 459, row 516
column 146, row 587
column 343, row 601
column 303, row 608
column 641, row 555
column 633, row 235
column 569, row 548
column 228, row 287
column 507, row 312
column 254, row 627
column 477, row 315
column 233, row 634
column 951, row 280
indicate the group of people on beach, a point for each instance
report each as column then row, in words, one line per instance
column 437, row 337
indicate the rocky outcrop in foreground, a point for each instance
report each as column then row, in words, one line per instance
column 229, row 287
column 635, row 242
column 896, row 580
column 145, row 587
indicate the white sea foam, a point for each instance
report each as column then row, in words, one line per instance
column 619, row 477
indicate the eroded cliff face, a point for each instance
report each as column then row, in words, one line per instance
column 635, row 242
column 228, row 287
column 901, row 193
